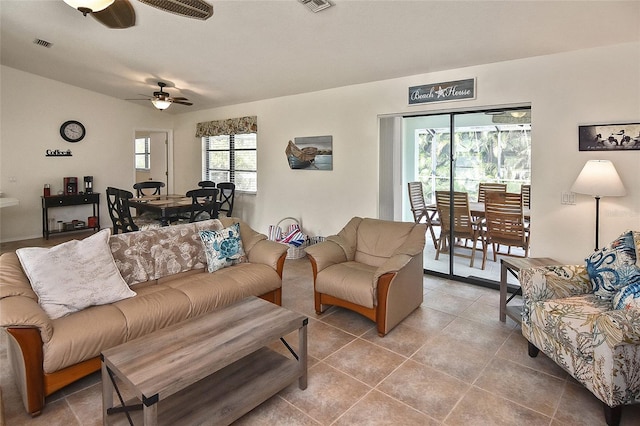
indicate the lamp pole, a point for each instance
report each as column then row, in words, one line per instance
column 597, row 220
column 599, row 178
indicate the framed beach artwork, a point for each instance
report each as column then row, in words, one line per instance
column 609, row 137
column 310, row 153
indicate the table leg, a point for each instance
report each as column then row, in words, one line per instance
column 503, row 291
column 164, row 217
column 302, row 343
column 150, row 413
column 107, row 393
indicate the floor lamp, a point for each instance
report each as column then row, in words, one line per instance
column 599, row 178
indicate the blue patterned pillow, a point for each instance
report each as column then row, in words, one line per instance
column 627, row 297
column 613, row 267
column 223, row 248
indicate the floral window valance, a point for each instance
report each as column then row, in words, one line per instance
column 232, row 126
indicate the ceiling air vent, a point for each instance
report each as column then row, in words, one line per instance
column 197, row 9
column 43, row 43
column 316, row 5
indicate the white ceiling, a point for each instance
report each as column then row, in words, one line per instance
column 251, row 50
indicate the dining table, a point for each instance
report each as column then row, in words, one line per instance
column 166, row 206
column 477, row 210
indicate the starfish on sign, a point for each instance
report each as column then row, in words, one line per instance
column 440, row 92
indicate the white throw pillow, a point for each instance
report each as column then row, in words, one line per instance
column 74, row 275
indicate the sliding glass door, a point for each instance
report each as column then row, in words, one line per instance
column 486, row 147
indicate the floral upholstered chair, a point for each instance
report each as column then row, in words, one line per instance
column 587, row 319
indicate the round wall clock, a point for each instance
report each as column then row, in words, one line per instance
column 72, row 131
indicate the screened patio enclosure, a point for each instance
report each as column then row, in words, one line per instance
column 487, row 146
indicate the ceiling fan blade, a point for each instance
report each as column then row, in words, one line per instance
column 119, row 15
column 181, row 102
column 179, row 98
column 197, row 9
column 138, row 99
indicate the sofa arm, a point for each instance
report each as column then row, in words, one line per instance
column 554, row 282
column 266, row 252
column 24, row 312
column 326, row 253
column 621, row 326
column 550, row 282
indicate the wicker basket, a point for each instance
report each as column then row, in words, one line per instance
column 293, row 252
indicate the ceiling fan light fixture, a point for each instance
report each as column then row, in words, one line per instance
column 89, row 6
column 518, row 114
column 160, row 103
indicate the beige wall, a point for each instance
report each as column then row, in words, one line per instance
column 32, row 110
column 564, row 91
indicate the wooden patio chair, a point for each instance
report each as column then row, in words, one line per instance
column 484, row 187
column 525, row 190
column 504, row 222
column 465, row 227
column 422, row 211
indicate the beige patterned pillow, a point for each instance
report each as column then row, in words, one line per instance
column 74, row 275
column 149, row 255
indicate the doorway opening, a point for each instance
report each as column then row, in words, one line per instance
column 153, row 157
column 488, row 146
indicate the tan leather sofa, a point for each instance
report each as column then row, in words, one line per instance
column 373, row 267
column 165, row 267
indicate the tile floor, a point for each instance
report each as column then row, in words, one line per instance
column 450, row 363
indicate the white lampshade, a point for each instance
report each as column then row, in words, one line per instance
column 599, row 178
column 89, row 5
column 161, row 104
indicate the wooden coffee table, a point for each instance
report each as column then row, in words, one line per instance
column 210, row 369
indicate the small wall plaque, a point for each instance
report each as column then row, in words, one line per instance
column 58, row 153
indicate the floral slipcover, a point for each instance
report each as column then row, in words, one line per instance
column 595, row 343
column 152, row 254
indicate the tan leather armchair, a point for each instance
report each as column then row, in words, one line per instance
column 372, row 267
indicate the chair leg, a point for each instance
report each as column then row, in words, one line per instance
column 439, row 248
column 533, row 351
column 612, row 414
column 473, row 253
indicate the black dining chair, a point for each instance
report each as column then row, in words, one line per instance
column 206, row 184
column 147, row 188
column 227, row 195
column 204, row 202
column 120, row 212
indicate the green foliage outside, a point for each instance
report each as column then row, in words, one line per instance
column 486, row 154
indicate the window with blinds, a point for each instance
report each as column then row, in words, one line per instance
column 231, row 158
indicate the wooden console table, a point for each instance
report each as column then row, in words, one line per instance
column 65, row 201
column 513, row 266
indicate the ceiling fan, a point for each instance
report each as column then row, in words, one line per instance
column 161, row 99
column 120, row 13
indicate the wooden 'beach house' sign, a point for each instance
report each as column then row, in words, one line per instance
column 442, row 92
